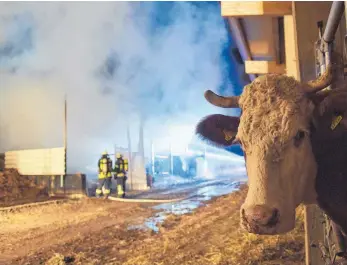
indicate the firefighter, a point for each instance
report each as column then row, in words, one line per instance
column 105, row 175
column 120, row 171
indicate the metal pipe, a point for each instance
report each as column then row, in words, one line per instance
column 345, row 38
column 241, row 41
column 130, row 160
column 333, row 21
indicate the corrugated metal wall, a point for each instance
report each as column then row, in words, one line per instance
column 37, row 161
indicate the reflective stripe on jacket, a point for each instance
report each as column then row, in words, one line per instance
column 105, row 167
column 120, row 167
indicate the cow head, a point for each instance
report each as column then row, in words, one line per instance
column 274, row 133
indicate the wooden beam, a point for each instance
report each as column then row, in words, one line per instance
column 264, row 67
column 260, row 35
column 267, row 8
column 240, row 39
column 291, row 49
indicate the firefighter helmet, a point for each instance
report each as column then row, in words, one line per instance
column 118, row 155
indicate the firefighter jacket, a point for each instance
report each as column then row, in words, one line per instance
column 121, row 167
column 105, row 167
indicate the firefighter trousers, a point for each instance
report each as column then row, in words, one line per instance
column 121, row 187
column 106, row 182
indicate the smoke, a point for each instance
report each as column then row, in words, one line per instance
column 115, row 61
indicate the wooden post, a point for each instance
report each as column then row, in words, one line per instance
column 293, row 69
column 65, row 142
column 291, row 49
column 307, row 218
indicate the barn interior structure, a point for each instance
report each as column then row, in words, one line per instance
column 280, row 37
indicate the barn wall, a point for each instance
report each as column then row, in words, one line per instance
column 37, row 161
column 307, row 14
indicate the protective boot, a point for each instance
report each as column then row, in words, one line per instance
column 120, row 192
column 98, row 193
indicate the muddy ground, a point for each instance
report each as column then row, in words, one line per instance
column 95, row 232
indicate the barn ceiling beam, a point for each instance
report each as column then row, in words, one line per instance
column 264, row 67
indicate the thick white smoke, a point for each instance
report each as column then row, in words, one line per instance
column 51, row 49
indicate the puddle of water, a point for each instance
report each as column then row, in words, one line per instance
column 177, row 208
column 220, row 189
column 202, row 194
column 152, row 222
column 181, row 207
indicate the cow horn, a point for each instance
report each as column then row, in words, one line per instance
column 220, row 101
column 321, row 82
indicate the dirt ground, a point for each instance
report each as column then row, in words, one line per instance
column 95, row 232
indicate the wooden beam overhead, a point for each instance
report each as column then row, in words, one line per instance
column 262, row 8
column 264, row 67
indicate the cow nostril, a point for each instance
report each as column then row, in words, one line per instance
column 274, row 218
column 260, row 215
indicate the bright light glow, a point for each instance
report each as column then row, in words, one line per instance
column 180, row 137
column 161, row 156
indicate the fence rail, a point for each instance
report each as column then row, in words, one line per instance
column 62, row 184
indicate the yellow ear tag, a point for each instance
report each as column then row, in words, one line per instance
column 227, row 136
column 335, row 122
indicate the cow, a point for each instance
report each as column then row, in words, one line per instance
column 294, row 148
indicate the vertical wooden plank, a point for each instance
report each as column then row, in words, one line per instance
column 291, row 50
column 293, row 69
column 307, row 218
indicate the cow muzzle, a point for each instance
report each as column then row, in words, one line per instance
column 260, row 219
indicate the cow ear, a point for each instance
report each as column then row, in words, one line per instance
column 218, row 129
column 327, row 112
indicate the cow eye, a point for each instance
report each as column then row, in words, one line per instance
column 300, row 135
